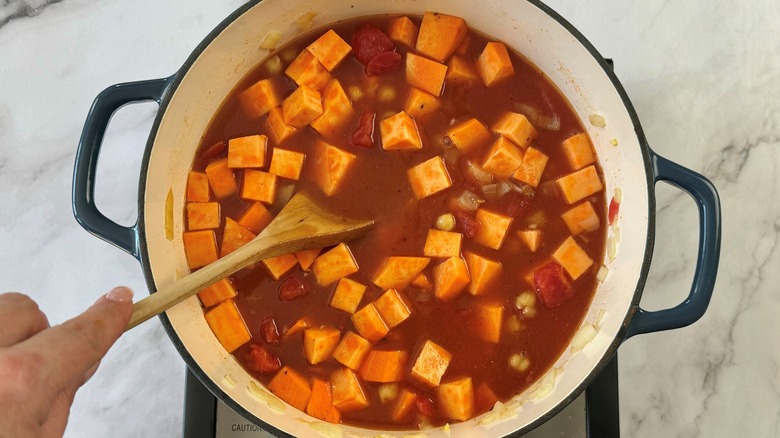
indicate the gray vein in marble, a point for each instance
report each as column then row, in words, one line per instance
column 12, row 9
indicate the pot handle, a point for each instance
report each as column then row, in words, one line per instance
column 706, row 197
column 83, row 197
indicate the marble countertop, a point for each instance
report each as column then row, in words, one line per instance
column 704, row 77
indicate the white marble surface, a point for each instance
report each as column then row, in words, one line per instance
column 703, row 75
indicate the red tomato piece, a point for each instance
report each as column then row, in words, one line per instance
column 363, row 135
column 614, row 208
column 384, row 63
column 467, row 223
column 370, row 41
column 259, row 359
column 291, row 289
column 269, row 332
column 425, row 406
column 552, row 284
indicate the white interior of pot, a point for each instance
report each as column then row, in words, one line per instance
column 524, row 27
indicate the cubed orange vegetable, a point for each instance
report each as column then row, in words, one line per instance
column 503, row 158
column 197, row 187
column 488, row 318
column 307, row 70
column 440, row 35
column 321, row 402
column 419, row 103
column 329, row 166
column 259, row 98
column 200, row 247
column 351, row 350
column 347, row 295
column 425, row 74
column 286, row 164
column 399, row 132
column 318, row 343
column 336, row 110
column 493, row 64
column 369, row 323
column 442, row 243
column 255, row 218
column 217, row 293
column 573, row 258
column 423, row 282
column 431, row 364
column 516, row 128
column 461, row 71
column 258, row 186
column 280, row 265
column 298, row 326
column 483, row 272
column 329, row 49
column 463, row 48
column 429, row 177
column 228, row 326
column 202, row 215
column 582, row 218
column 292, row 387
column 221, row 178
column 578, row 151
column 247, row 151
column 532, row 167
column 580, row 184
column 404, row 404
column 234, row 236
column 306, row 257
column 468, row 135
column 492, row 228
column 334, row 264
column 456, row 399
column 532, row 238
column 392, row 307
column 403, row 30
column 450, row 278
column 484, row 397
column 302, row 106
column 348, row 393
column 398, row 272
column 384, row 366
column 277, row 129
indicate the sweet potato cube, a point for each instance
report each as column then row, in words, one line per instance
column 429, row 177
column 202, row 215
column 369, row 323
column 532, row 238
column 493, row 64
column 483, row 272
column 286, row 164
column 197, row 187
column 348, row 393
column 403, row 407
column 488, row 318
column 247, row 151
column 228, row 326
column 280, row 265
column 484, row 397
column 200, row 247
column 318, row 343
column 384, row 366
column 306, row 257
column 351, row 350
column 456, row 399
column 259, row 98
column 442, row 243
column 573, row 258
column 516, row 128
column 334, row 264
column 336, row 110
column 468, row 135
column 217, row 293
column 425, row 74
column 580, row 184
column 403, row 30
column 440, row 35
column 578, row 151
column 423, row 282
column 292, row 387
column 398, row 272
column 461, row 71
column 330, row 166
column 492, row 228
column 298, row 326
column 258, row 186
column 307, row 70
column 450, row 278
column 431, row 364
column 321, row 402
column 419, row 103
column 302, row 106
column 532, row 167
column 503, row 158
column 255, row 218
column 234, row 236
column 277, row 129
column 399, row 132
column 221, row 178
column 329, row 49
column 392, row 307
column 347, row 295
column 582, row 218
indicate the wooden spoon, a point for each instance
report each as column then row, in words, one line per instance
column 300, row 225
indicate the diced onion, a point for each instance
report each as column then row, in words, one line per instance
column 597, row 120
column 289, row 54
column 468, row 201
column 386, row 93
column 260, row 394
column 305, row 21
column 602, row 274
column 355, row 93
column 538, row 118
column 490, row 191
column 446, row 429
column 451, row 155
column 229, row 380
column 479, row 173
column 600, row 318
column 616, row 232
column 611, row 248
column 274, row 65
column 513, row 324
column 618, row 196
column 271, row 40
column 168, row 220
column 504, row 187
column 445, row 222
column 526, row 304
column 327, row 429
column 519, row 362
column 614, row 141
column 584, row 335
column 387, row 392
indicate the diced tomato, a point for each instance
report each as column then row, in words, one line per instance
column 425, row 406
column 370, row 41
column 363, row 135
column 291, row 289
column 217, row 150
column 269, row 332
column 467, row 223
column 259, row 359
column 614, row 208
column 384, row 63
column 552, row 284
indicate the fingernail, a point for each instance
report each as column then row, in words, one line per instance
column 120, row 294
column 91, row 372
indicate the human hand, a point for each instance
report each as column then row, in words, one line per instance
column 42, row 367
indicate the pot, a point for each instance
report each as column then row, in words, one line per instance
column 190, row 97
